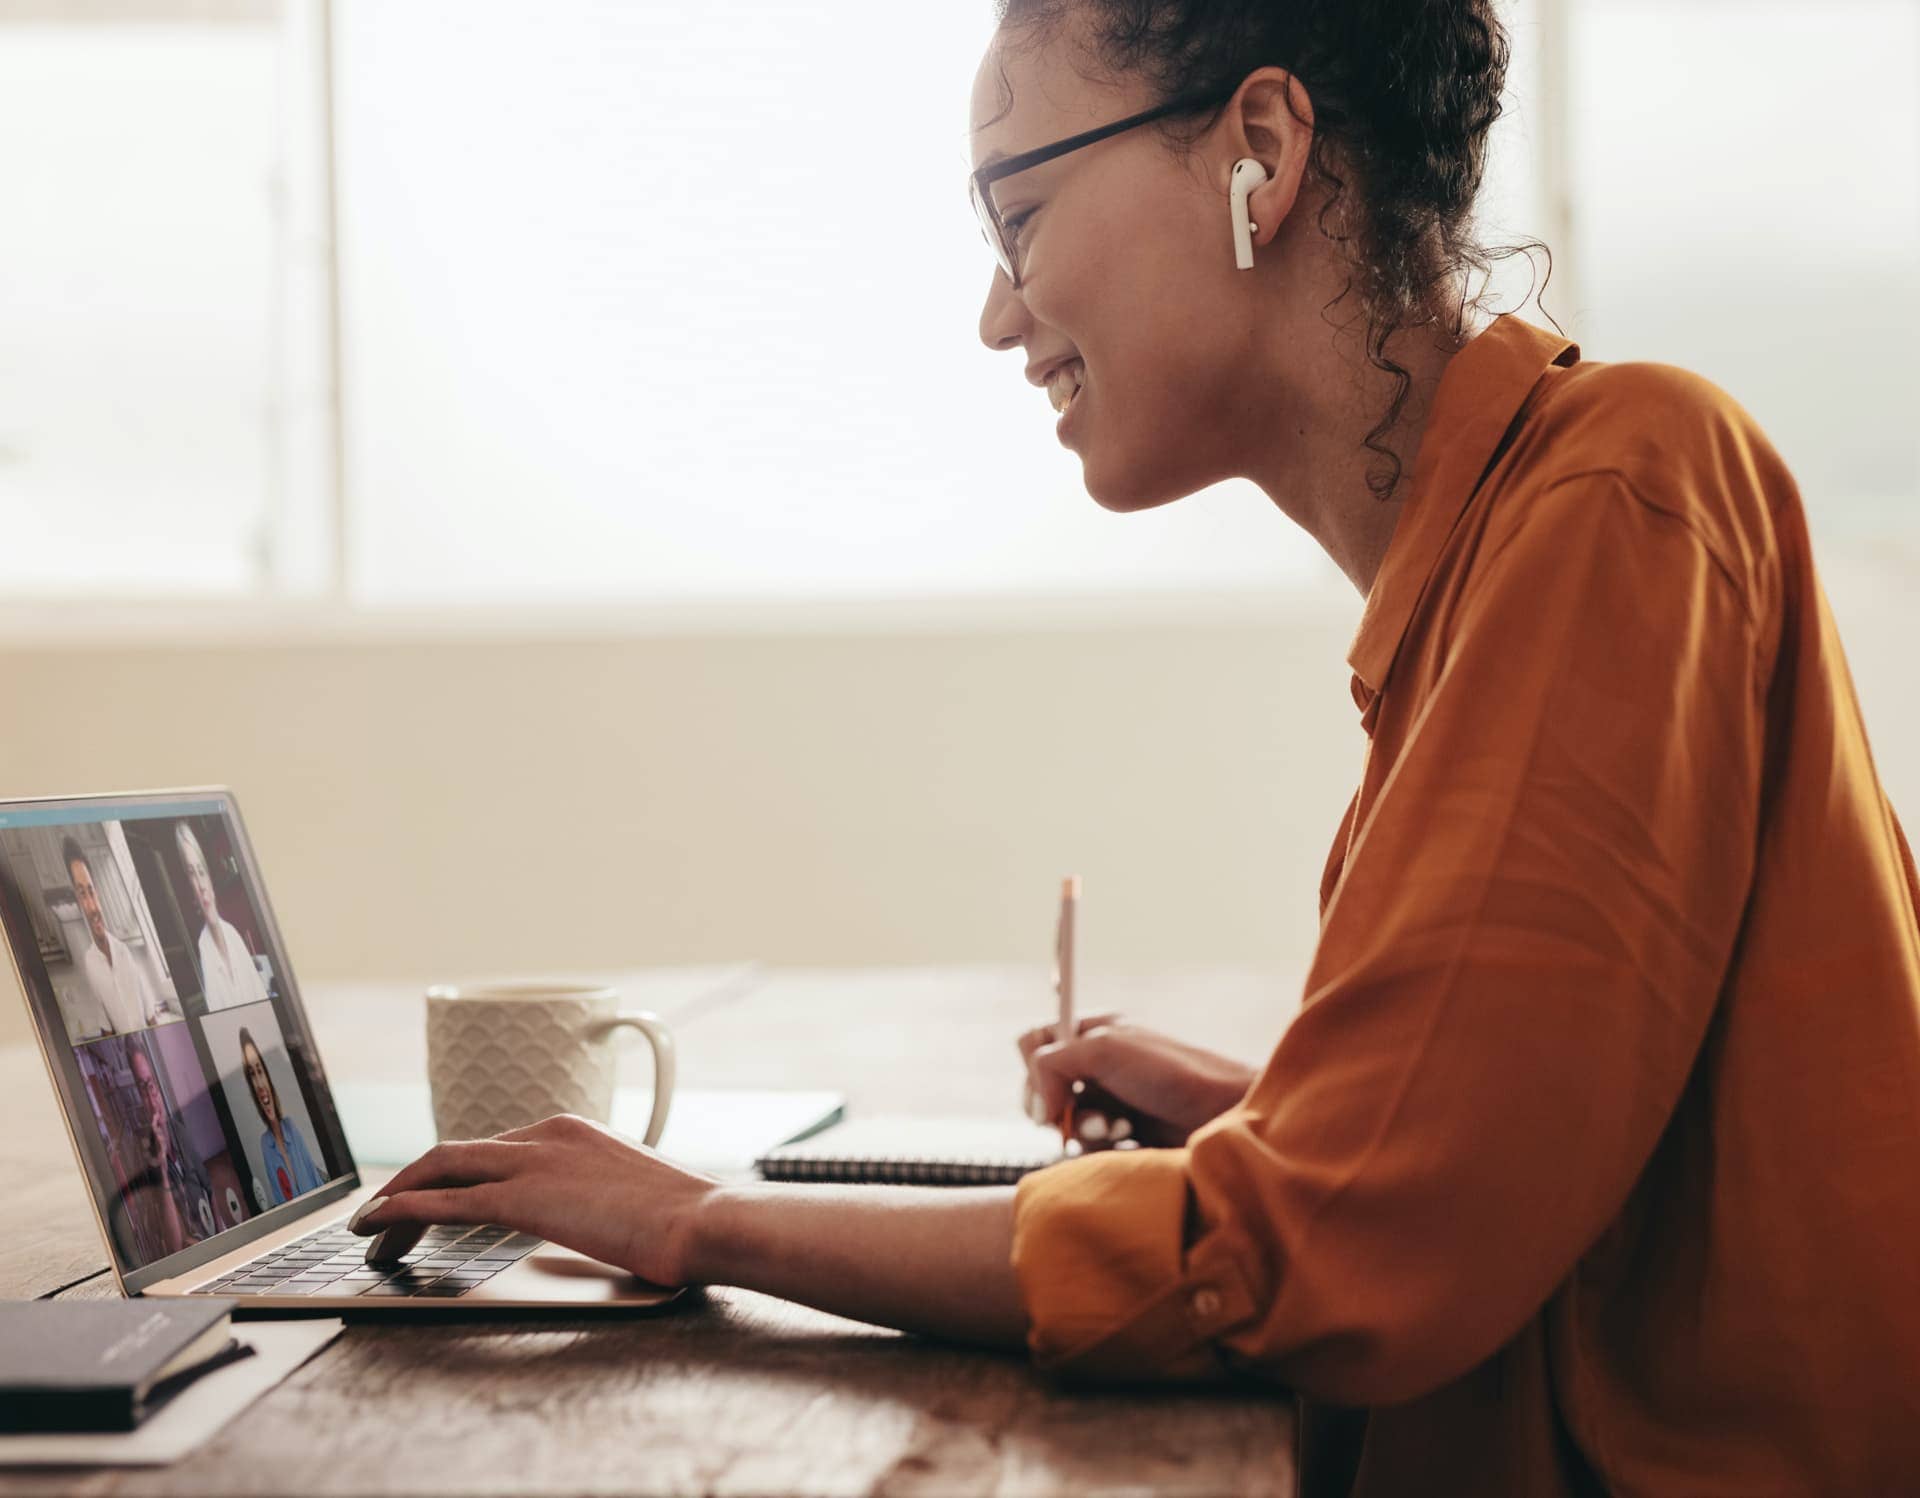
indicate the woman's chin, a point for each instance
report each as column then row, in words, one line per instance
column 1122, row 493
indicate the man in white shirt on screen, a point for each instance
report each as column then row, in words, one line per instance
column 117, row 978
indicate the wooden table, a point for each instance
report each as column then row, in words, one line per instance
column 742, row 1393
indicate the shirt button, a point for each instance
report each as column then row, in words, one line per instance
column 1205, row 1302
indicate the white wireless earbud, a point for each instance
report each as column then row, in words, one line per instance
column 1247, row 175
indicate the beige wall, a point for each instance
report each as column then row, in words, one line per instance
column 599, row 798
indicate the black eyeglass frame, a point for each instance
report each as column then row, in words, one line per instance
column 984, row 177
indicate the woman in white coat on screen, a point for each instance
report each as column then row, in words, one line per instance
column 227, row 971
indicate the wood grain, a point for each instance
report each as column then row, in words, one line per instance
column 742, row 1394
column 51, row 1239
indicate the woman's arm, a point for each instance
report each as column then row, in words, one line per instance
column 930, row 1259
column 933, row 1259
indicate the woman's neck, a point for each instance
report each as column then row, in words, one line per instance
column 1316, row 467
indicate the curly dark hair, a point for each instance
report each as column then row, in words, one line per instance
column 1404, row 93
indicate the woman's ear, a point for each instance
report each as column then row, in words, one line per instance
column 1274, row 118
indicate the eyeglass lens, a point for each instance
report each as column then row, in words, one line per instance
column 990, row 230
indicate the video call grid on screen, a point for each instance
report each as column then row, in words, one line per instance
column 162, row 995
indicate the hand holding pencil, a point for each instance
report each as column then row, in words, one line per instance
column 1107, row 1083
column 1089, row 1121
column 1086, row 1116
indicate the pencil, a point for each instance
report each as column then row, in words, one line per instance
column 1069, row 899
column 1063, row 982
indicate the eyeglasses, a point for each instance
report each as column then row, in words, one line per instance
column 993, row 228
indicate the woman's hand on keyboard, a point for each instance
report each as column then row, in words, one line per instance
column 566, row 1179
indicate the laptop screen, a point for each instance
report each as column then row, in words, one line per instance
column 169, row 1015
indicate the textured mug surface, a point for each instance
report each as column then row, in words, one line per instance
column 504, row 1055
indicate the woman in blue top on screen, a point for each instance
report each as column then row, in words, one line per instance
column 284, row 1156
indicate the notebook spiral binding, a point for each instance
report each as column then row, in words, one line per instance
column 898, row 1172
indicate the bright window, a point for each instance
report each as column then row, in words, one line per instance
column 652, row 304
column 1745, row 206
column 138, row 304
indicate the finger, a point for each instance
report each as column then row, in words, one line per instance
column 539, row 1129
column 1054, row 1071
column 398, row 1221
column 454, row 1204
column 1031, row 1042
column 394, row 1243
column 1033, row 1039
column 464, row 1162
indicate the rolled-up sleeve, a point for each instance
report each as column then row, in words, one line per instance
column 1111, row 1294
column 1512, row 983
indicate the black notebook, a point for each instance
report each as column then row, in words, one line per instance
column 103, row 1364
column 911, row 1151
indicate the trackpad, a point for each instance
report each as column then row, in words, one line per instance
column 552, row 1273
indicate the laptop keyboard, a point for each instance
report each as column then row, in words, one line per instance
column 447, row 1261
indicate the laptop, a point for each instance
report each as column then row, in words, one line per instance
column 193, row 1087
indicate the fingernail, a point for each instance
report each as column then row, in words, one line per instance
column 1092, row 1126
column 1122, row 1128
column 1036, row 1110
column 353, row 1222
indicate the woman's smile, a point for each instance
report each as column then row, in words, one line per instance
column 1064, row 390
column 1065, row 382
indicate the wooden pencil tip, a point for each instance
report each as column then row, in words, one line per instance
column 1070, row 887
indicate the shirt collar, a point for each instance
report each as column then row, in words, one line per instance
column 1482, row 389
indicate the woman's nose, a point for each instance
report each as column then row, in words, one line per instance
column 1003, row 315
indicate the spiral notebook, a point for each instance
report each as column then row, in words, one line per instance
column 915, row 1151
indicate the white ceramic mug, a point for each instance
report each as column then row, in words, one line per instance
column 501, row 1055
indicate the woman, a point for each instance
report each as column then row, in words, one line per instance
column 227, row 971
column 1590, row 1161
column 284, row 1156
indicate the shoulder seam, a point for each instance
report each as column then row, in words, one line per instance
column 1720, row 563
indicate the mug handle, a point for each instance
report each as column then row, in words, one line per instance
column 660, row 1038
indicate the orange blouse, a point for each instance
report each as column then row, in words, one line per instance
column 1592, row 1161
